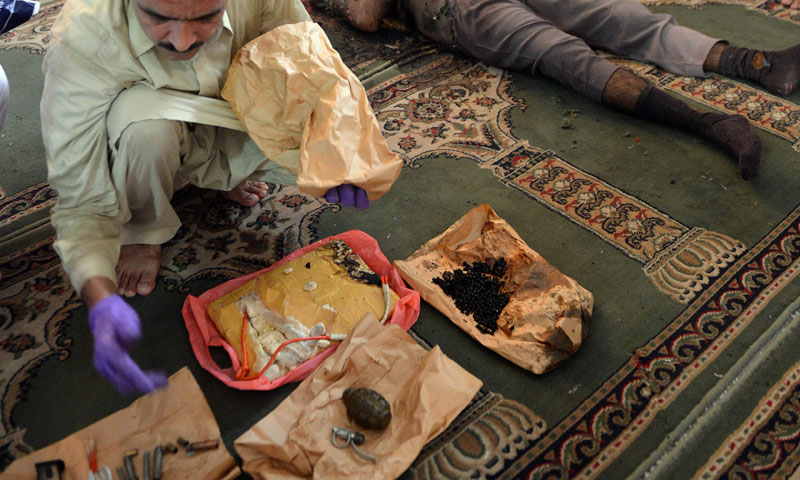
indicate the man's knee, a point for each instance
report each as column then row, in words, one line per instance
column 4, row 96
column 151, row 144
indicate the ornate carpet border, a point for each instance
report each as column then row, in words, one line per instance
column 26, row 202
column 765, row 444
column 27, row 262
column 600, row 428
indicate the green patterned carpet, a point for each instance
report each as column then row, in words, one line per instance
column 690, row 369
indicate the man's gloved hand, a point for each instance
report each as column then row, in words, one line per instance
column 115, row 326
column 349, row 196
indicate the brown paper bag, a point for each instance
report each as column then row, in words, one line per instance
column 308, row 112
column 425, row 389
column 548, row 315
column 154, row 419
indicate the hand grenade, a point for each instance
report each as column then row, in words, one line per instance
column 367, row 408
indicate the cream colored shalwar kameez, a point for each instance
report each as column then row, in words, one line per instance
column 104, row 81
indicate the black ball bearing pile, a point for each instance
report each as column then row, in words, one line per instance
column 476, row 291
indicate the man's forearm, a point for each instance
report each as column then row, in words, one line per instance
column 96, row 289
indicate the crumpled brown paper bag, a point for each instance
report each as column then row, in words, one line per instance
column 154, row 419
column 425, row 389
column 308, row 112
column 547, row 318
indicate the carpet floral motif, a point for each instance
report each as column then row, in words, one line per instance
column 456, row 108
column 222, row 239
column 34, row 35
column 31, row 326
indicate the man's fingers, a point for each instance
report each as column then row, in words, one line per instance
column 127, row 327
column 158, row 379
column 347, row 196
column 131, row 378
column 362, row 202
column 332, row 195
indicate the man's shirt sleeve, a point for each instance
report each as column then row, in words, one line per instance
column 75, row 100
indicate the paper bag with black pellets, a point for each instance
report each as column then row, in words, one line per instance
column 308, row 112
column 507, row 296
column 425, row 391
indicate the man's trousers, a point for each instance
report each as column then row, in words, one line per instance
column 556, row 37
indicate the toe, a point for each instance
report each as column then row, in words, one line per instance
column 123, row 283
column 130, row 285
column 146, row 283
column 260, row 189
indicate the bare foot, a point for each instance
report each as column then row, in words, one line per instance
column 137, row 269
column 247, row 193
column 365, row 15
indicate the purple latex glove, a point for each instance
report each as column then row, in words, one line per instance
column 349, row 196
column 115, row 326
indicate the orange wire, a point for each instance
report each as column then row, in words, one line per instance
column 243, row 370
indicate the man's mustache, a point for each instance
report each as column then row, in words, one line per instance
column 171, row 47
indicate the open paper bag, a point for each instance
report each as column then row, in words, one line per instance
column 155, row 419
column 309, row 113
column 203, row 334
column 547, row 317
column 425, row 389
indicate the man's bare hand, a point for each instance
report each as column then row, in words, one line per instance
column 791, row 3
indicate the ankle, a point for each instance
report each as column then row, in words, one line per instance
column 744, row 63
column 711, row 63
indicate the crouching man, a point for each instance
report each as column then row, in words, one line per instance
column 127, row 118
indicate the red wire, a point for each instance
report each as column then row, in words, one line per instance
column 244, row 370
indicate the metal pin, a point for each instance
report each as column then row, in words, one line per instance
column 157, row 459
column 146, row 466
column 121, row 474
column 130, row 468
column 343, row 437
